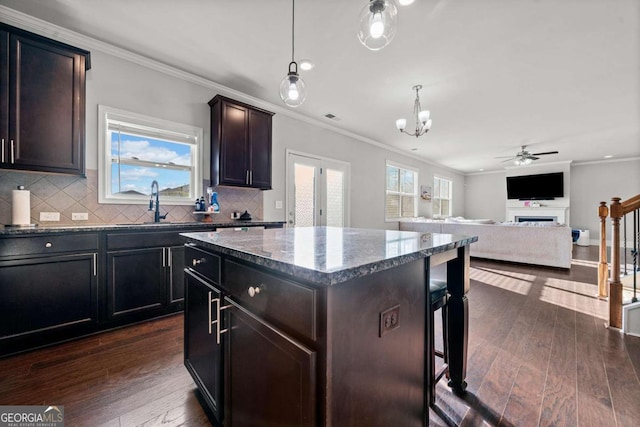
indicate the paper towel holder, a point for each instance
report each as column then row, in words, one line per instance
column 21, row 188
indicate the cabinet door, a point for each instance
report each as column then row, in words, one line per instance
column 42, row 298
column 234, row 145
column 176, row 274
column 270, row 378
column 260, row 149
column 202, row 353
column 136, row 281
column 46, row 107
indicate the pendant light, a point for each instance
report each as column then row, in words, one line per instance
column 292, row 87
column 377, row 24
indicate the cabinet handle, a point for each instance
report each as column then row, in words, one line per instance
column 253, row 291
column 250, row 177
column 13, row 152
column 197, row 261
column 246, row 178
column 2, row 150
column 95, row 264
column 169, row 257
column 217, row 322
column 48, row 245
column 210, row 322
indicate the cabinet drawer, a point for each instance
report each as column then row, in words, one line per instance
column 36, row 245
column 287, row 304
column 143, row 240
column 205, row 263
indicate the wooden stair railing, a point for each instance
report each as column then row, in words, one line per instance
column 617, row 210
column 603, row 265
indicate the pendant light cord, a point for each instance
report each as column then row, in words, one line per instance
column 293, row 22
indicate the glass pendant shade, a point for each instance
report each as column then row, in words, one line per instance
column 377, row 24
column 424, row 116
column 401, row 124
column 292, row 87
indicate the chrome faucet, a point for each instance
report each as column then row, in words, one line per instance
column 157, row 217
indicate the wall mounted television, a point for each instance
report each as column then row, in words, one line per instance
column 545, row 186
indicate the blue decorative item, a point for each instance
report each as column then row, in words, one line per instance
column 214, row 203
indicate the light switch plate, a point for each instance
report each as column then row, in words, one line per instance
column 79, row 216
column 278, row 204
column 49, row 216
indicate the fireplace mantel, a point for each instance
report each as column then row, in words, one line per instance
column 559, row 213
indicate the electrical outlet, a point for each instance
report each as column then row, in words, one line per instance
column 278, row 204
column 49, row 216
column 79, row 216
column 389, row 320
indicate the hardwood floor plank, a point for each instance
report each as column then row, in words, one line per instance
column 559, row 403
column 523, row 406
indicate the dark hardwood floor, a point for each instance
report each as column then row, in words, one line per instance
column 539, row 355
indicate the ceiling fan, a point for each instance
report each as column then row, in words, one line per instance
column 525, row 157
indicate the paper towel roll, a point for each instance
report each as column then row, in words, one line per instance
column 21, row 207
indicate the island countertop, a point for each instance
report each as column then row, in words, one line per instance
column 328, row 255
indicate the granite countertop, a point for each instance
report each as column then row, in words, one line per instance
column 328, row 255
column 45, row 229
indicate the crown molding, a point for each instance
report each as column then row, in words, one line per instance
column 597, row 162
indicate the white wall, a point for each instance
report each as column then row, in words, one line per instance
column 593, row 183
column 121, row 84
column 486, row 196
column 368, row 166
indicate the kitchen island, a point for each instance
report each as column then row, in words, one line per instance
column 319, row 326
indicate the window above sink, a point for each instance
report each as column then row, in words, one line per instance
column 135, row 149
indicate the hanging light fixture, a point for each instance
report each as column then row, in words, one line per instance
column 292, row 88
column 423, row 122
column 377, row 24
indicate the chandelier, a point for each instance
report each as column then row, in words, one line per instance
column 423, row 122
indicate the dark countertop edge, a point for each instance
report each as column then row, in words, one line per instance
column 21, row 231
column 335, row 277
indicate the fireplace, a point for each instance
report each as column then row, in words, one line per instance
column 543, row 213
column 536, row 218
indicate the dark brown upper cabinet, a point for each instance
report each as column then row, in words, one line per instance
column 42, row 103
column 240, row 144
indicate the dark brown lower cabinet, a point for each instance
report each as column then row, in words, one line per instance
column 136, row 281
column 202, row 351
column 270, row 378
column 46, row 299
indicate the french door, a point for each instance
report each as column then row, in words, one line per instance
column 317, row 191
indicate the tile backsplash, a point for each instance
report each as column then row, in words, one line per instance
column 69, row 194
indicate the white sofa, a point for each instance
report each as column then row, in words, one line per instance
column 540, row 244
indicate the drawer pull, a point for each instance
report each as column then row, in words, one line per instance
column 48, row 245
column 253, row 291
column 197, row 261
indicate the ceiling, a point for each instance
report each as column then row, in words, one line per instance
column 496, row 74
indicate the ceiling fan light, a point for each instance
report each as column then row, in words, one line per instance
column 405, row 2
column 377, row 24
column 401, row 124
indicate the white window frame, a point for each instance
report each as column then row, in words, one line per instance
column 414, row 194
column 440, row 197
column 154, row 127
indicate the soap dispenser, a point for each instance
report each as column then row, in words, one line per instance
column 215, row 206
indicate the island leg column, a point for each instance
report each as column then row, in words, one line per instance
column 458, row 318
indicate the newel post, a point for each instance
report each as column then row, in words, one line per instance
column 603, row 266
column 615, row 286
